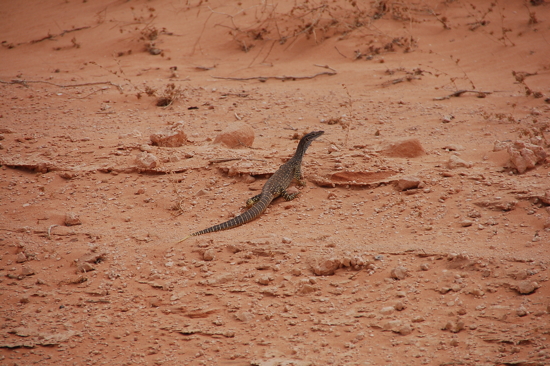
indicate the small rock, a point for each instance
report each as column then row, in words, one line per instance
column 526, row 287
column 448, row 118
column 409, row 148
column 333, row 148
column 287, row 240
column 521, row 311
column 454, row 327
column 296, row 272
column 408, row 182
column 244, row 316
column 306, row 288
column 236, row 135
column 21, row 257
column 146, row 160
column 546, row 224
column 68, row 175
column 425, row 266
column 418, row 319
column 27, row 271
column 497, row 205
column 72, row 218
column 397, row 326
column 84, row 267
column 399, row 306
column 501, row 145
column 404, row 329
column 264, row 280
column 387, row 310
column 172, row 137
column 208, row 255
column 456, row 162
column 399, row 273
column 477, row 292
column 454, row 147
column 466, row 223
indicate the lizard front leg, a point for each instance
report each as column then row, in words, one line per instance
column 299, row 177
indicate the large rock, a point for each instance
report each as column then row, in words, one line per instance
column 409, row 148
column 325, row 266
column 237, row 134
column 523, row 155
column 171, row 137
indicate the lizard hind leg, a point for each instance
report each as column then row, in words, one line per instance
column 251, row 201
column 289, row 196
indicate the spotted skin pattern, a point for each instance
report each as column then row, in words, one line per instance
column 275, row 186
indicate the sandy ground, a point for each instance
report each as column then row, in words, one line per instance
column 356, row 270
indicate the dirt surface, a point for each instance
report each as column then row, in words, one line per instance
column 422, row 236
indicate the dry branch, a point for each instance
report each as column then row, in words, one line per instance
column 25, row 82
column 458, row 93
column 283, row 77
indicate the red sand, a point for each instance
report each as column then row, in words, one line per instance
column 249, row 296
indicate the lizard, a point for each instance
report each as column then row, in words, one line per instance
column 275, row 186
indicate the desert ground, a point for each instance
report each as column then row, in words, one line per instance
column 421, row 237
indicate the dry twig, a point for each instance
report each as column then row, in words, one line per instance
column 25, row 82
column 458, row 93
column 263, row 79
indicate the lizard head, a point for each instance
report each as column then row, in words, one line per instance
column 308, row 139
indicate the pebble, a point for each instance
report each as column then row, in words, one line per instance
column 264, row 280
column 84, row 267
column 209, row 255
column 408, row 182
column 526, row 287
column 521, row 311
column 146, row 160
column 454, row 147
column 397, row 326
column 172, row 137
column 236, row 135
column 72, row 218
column 408, row 148
column 21, row 257
column 425, row 267
column 453, row 326
column 27, row 271
column 244, row 316
column 287, row 240
column 399, row 273
column 387, row 310
column 447, row 118
column 456, row 162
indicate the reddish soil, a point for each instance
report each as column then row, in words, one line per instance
column 354, row 271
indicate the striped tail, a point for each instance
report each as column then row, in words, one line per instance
column 247, row 216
